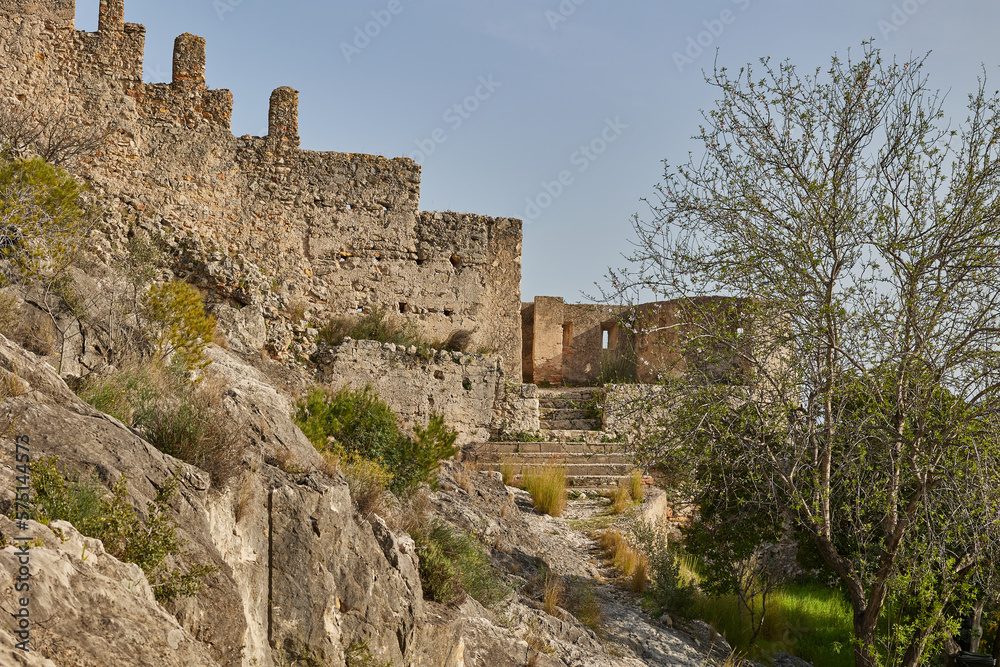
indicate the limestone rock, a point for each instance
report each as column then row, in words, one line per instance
column 88, row 609
column 787, row 660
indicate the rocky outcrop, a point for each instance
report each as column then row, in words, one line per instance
column 87, row 608
column 295, row 569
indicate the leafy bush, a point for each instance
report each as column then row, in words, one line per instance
column 667, row 587
column 41, row 222
column 183, row 420
column 111, row 519
column 376, row 325
column 547, row 486
column 358, row 422
column 453, row 563
column 177, row 311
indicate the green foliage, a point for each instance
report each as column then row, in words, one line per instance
column 177, row 312
column 113, row 520
column 452, row 563
column 179, row 418
column 359, row 655
column 376, row 325
column 379, row 326
column 667, row 588
column 430, row 445
column 41, row 218
column 852, row 232
column 358, row 422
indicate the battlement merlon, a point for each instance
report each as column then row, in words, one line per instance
column 189, row 61
column 111, row 16
column 283, row 117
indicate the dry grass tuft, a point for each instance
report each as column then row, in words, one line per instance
column 553, row 594
column 464, row 480
column 547, row 486
column 640, row 575
column 635, row 486
column 621, row 499
column 507, row 470
column 624, row 557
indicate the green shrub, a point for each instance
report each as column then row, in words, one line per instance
column 183, row 420
column 667, row 587
column 177, row 312
column 376, row 325
column 358, row 422
column 547, row 486
column 452, row 562
column 42, row 218
column 111, row 519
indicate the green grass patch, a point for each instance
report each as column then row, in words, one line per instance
column 808, row 621
column 453, row 563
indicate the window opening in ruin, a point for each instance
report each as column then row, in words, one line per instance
column 360, row 309
column 567, row 336
column 607, row 339
column 348, row 207
column 402, row 307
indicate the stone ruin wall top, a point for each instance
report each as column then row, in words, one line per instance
column 341, row 231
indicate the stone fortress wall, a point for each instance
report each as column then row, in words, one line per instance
column 340, row 231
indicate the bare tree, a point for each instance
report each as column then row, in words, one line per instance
column 55, row 135
column 860, row 237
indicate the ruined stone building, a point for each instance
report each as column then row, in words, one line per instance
column 580, row 344
column 343, row 232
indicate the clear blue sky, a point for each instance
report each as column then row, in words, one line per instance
column 552, row 76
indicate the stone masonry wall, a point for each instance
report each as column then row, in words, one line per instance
column 468, row 389
column 342, row 232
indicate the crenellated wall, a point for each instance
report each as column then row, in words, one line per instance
column 341, row 231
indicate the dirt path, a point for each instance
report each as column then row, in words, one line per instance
column 629, row 635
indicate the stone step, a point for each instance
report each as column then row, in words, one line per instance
column 479, row 449
column 571, row 392
column 565, row 403
column 564, row 413
column 573, row 470
column 572, row 435
column 548, row 458
column 570, row 424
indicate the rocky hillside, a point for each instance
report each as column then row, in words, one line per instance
column 297, row 575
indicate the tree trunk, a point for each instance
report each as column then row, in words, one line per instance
column 977, row 626
column 865, row 624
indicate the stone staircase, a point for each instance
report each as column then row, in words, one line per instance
column 570, row 436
